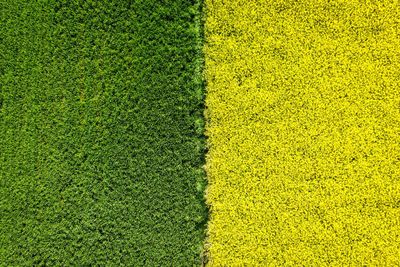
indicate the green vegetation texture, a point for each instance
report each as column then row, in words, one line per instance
column 101, row 146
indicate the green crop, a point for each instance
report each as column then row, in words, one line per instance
column 101, row 146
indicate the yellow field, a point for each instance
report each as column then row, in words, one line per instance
column 303, row 109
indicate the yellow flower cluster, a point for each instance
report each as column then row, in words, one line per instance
column 303, row 110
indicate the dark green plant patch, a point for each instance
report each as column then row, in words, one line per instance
column 101, row 143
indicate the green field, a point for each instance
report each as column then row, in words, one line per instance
column 101, row 146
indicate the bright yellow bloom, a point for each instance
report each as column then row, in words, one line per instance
column 303, row 109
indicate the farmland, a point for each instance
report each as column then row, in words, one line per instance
column 303, row 128
column 199, row 133
column 101, row 146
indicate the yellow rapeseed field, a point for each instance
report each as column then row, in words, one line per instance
column 303, row 109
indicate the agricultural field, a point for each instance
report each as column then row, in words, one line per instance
column 101, row 140
column 199, row 133
column 303, row 126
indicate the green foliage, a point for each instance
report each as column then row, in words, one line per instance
column 101, row 143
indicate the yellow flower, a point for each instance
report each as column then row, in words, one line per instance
column 303, row 125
